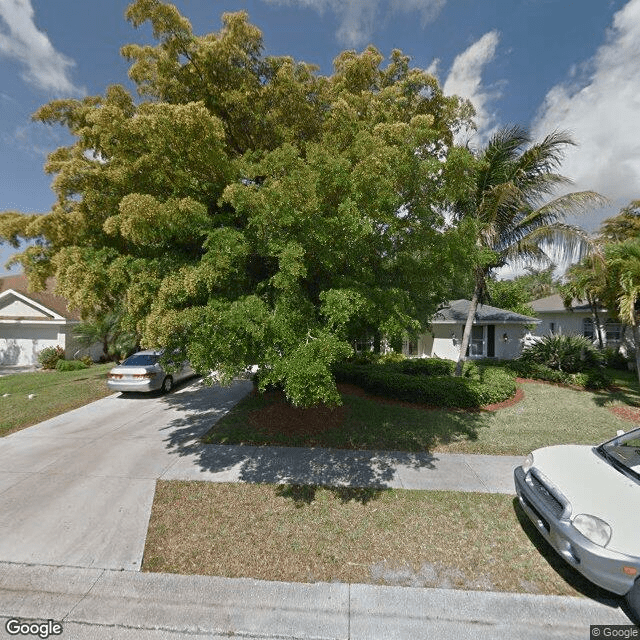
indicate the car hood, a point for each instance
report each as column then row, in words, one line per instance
column 594, row 487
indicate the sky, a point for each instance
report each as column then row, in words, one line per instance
column 541, row 64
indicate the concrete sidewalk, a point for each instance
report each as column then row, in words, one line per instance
column 99, row 604
column 345, row 467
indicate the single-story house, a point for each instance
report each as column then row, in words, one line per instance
column 577, row 319
column 31, row 321
column 495, row 333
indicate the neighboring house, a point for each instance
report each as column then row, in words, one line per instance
column 31, row 321
column 578, row 319
column 495, row 333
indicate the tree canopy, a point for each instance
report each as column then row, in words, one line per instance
column 245, row 209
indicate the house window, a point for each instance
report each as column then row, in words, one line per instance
column 477, row 341
column 363, row 346
column 613, row 331
column 410, row 347
column 587, row 328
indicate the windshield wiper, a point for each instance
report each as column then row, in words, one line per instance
column 623, row 468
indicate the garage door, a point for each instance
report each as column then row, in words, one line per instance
column 20, row 344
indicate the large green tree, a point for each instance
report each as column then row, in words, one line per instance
column 247, row 210
column 507, row 202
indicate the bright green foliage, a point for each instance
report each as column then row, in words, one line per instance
column 569, row 353
column 250, row 211
column 71, row 365
column 510, row 294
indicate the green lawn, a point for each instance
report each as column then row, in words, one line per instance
column 54, row 393
column 399, row 537
column 548, row 414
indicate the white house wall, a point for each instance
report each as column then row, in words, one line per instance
column 563, row 322
column 445, row 340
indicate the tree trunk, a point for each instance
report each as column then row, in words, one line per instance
column 636, row 339
column 596, row 322
column 466, row 334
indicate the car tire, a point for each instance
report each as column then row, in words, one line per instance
column 167, row 385
column 633, row 600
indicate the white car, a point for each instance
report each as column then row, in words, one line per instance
column 585, row 501
column 142, row 372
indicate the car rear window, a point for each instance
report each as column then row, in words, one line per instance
column 140, row 360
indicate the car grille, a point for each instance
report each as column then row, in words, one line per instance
column 547, row 498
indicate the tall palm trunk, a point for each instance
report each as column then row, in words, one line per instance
column 635, row 328
column 466, row 334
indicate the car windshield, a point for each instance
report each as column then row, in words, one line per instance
column 140, row 360
column 624, row 453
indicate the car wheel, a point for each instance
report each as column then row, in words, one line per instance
column 633, row 600
column 167, row 384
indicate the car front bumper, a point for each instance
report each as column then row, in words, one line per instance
column 601, row 566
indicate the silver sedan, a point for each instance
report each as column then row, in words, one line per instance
column 142, row 372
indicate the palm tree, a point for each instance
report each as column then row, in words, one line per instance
column 507, row 203
column 623, row 262
column 587, row 280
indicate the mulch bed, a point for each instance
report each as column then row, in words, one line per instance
column 281, row 418
column 627, row 413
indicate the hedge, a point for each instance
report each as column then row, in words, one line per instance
column 70, row 365
column 493, row 385
column 593, row 378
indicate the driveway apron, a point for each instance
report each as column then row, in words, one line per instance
column 77, row 490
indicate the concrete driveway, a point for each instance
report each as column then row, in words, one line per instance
column 77, row 490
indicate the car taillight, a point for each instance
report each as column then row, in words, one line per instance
column 143, row 376
column 114, row 376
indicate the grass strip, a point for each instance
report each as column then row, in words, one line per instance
column 397, row 537
column 547, row 415
column 54, row 392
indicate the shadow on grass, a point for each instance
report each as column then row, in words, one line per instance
column 351, row 464
column 302, row 494
column 572, row 577
column 618, row 394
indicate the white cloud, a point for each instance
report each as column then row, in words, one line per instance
column 465, row 80
column 358, row 18
column 601, row 108
column 20, row 39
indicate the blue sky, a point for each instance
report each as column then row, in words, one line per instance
column 544, row 64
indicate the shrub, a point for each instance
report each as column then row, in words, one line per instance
column 594, row 378
column 87, row 360
column 614, row 359
column 567, row 353
column 490, row 386
column 49, row 356
column 70, row 365
column 428, row 367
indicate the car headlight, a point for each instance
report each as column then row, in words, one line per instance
column 527, row 463
column 596, row 530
